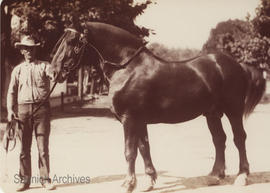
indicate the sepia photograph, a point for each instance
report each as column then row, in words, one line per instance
column 130, row 96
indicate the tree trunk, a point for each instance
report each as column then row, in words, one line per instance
column 5, row 48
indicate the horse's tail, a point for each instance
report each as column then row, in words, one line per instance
column 256, row 88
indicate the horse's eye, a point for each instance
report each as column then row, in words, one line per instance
column 83, row 40
column 76, row 50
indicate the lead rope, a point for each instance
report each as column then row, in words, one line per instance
column 46, row 98
column 11, row 133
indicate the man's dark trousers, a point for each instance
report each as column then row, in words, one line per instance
column 40, row 124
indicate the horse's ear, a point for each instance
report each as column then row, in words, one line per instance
column 88, row 33
column 76, row 23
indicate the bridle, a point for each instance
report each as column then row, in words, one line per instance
column 83, row 43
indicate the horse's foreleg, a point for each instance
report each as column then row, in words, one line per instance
column 145, row 152
column 131, row 145
column 239, row 140
column 219, row 138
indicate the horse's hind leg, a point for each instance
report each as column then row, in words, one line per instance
column 239, row 133
column 219, row 138
column 131, row 147
column 145, row 152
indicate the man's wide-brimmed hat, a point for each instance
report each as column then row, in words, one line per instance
column 27, row 41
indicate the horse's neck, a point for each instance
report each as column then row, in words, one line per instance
column 114, row 44
column 115, row 53
column 108, row 66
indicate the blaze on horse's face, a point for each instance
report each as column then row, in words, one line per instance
column 67, row 52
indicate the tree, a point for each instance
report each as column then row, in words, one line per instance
column 261, row 22
column 46, row 20
column 247, row 41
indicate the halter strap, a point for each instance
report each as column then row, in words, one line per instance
column 116, row 65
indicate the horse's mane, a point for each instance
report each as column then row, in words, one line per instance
column 172, row 61
column 113, row 33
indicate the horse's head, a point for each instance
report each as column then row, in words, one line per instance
column 109, row 46
column 68, row 52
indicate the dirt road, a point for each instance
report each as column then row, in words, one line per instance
column 87, row 145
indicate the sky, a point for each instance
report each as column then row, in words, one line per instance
column 187, row 23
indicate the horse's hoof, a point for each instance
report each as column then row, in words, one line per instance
column 213, row 180
column 241, row 180
column 218, row 173
column 148, row 184
column 129, row 185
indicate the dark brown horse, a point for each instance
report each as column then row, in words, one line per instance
column 145, row 89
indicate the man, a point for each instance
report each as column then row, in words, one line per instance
column 28, row 88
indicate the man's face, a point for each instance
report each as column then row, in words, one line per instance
column 28, row 52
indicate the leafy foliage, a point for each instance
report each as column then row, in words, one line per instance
column 247, row 41
column 261, row 22
column 172, row 54
column 46, row 19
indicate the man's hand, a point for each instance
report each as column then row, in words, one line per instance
column 11, row 115
column 62, row 76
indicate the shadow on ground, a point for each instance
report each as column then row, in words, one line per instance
column 175, row 183
column 182, row 183
column 103, row 179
